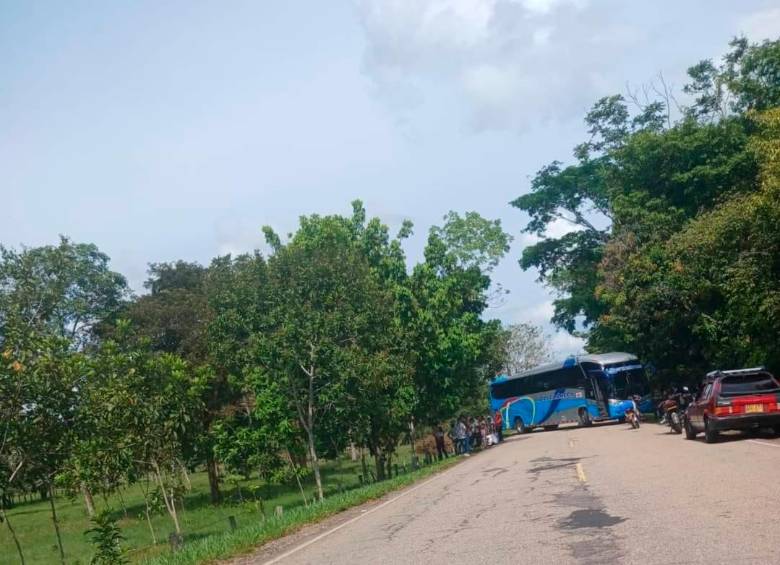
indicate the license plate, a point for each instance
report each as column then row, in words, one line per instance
column 750, row 408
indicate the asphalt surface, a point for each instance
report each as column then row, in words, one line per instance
column 602, row 495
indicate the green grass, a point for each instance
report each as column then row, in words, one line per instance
column 242, row 540
column 205, row 527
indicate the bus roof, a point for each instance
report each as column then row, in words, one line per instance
column 599, row 359
column 608, row 358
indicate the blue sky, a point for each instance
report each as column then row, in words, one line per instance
column 174, row 130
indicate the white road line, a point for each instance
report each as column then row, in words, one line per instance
column 355, row 519
column 764, row 443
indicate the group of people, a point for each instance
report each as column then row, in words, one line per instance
column 469, row 433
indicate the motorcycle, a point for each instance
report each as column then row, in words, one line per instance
column 632, row 414
column 674, row 409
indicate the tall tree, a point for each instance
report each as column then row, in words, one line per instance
column 176, row 317
column 322, row 297
column 524, row 347
column 62, row 290
column 56, row 296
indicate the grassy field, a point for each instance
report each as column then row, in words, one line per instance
column 199, row 519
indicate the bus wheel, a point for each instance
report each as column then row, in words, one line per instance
column 584, row 417
column 520, row 426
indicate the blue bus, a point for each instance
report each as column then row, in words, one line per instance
column 582, row 389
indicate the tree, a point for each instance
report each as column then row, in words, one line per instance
column 473, row 240
column 322, row 298
column 64, row 290
column 747, row 79
column 639, row 179
column 179, row 316
column 56, row 296
column 525, row 347
column 707, row 296
column 39, row 377
column 440, row 309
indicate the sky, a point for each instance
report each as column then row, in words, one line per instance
column 175, row 130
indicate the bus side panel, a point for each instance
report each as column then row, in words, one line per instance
column 560, row 406
column 522, row 407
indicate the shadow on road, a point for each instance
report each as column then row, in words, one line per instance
column 731, row 436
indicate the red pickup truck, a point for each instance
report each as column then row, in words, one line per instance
column 734, row 400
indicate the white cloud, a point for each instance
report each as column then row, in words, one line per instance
column 512, row 63
column 555, row 229
column 761, row 25
column 540, row 313
column 563, row 344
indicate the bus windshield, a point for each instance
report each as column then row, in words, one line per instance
column 623, row 384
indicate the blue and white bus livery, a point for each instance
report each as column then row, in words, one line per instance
column 580, row 389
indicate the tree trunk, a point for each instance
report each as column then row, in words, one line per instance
column 148, row 514
column 379, row 459
column 315, row 465
column 88, row 500
column 11, row 530
column 170, row 503
column 297, row 478
column 315, row 462
column 211, row 469
column 149, row 521
column 122, row 501
column 56, row 524
column 352, row 451
column 186, row 476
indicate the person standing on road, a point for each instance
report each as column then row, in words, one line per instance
column 498, row 423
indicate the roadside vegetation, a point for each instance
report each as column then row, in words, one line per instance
column 252, row 503
column 675, row 201
column 257, row 370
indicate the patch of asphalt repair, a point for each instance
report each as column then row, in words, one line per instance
column 586, row 530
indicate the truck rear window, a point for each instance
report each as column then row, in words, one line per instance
column 748, row 384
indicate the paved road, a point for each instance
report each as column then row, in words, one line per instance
column 588, row 496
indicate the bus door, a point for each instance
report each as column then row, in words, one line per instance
column 598, row 382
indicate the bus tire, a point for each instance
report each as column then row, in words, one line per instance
column 584, row 417
column 520, row 426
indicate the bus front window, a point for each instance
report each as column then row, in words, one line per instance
column 619, row 388
column 638, row 383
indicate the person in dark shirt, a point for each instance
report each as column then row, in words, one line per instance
column 441, row 449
